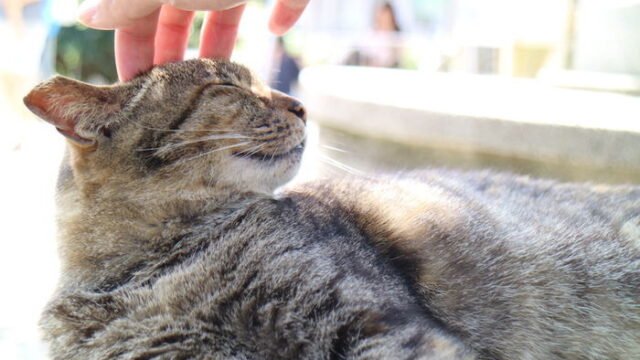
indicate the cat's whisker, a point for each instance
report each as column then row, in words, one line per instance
column 263, row 130
column 216, row 150
column 329, row 147
column 337, row 164
column 204, row 139
column 193, row 141
column 262, row 146
column 182, row 130
column 252, row 150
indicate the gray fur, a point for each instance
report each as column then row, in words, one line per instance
column 177, row 248
column 518, row 268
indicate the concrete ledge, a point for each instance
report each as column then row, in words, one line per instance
column 507, row 117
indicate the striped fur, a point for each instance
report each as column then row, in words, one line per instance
column 174, row 246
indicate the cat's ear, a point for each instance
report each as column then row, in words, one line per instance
column 78, row 110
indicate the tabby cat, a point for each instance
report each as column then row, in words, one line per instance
column 174, row 245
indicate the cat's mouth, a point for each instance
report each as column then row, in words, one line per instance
column 294, row 151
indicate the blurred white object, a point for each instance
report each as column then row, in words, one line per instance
column 64, row 11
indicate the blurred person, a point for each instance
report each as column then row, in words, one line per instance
column 385, row 18
column 380, row 48
column 286, row 67
column 150, row 32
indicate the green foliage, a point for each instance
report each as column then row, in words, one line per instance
column 85, row 54
column 194, row 38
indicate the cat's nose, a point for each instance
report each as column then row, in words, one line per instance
column 297, row 109
column 284, row 101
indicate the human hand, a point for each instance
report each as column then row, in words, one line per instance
column 150, row 32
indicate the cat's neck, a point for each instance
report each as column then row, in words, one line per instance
column 106, row 233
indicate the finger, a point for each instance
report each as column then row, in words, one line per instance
column 111, row 14
column 172, row 34
column 134, row 46
column 204, row 4
column 219, row 33
column 285, row 13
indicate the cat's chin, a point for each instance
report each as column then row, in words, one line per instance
column 295, row 152
column 264, row 173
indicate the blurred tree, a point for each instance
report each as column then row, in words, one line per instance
column 86, row 54
column 194, row 38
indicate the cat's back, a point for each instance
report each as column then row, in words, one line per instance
column 572, row 251
column 523, row 268
column 546, row 201
column 518, row 207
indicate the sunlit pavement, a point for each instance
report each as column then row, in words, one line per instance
column 517, row 118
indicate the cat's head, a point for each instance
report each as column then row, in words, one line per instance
column 189, row 125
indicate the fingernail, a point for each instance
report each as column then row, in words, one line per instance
column 87, row 12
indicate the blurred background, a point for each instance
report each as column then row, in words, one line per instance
column 538, row 87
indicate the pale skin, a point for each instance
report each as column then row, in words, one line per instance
column 150, row 32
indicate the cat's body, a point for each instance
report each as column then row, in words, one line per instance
column 519, row 268
column 255, row 279
column 173, row 245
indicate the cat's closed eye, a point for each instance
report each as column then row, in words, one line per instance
column 229, row 84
